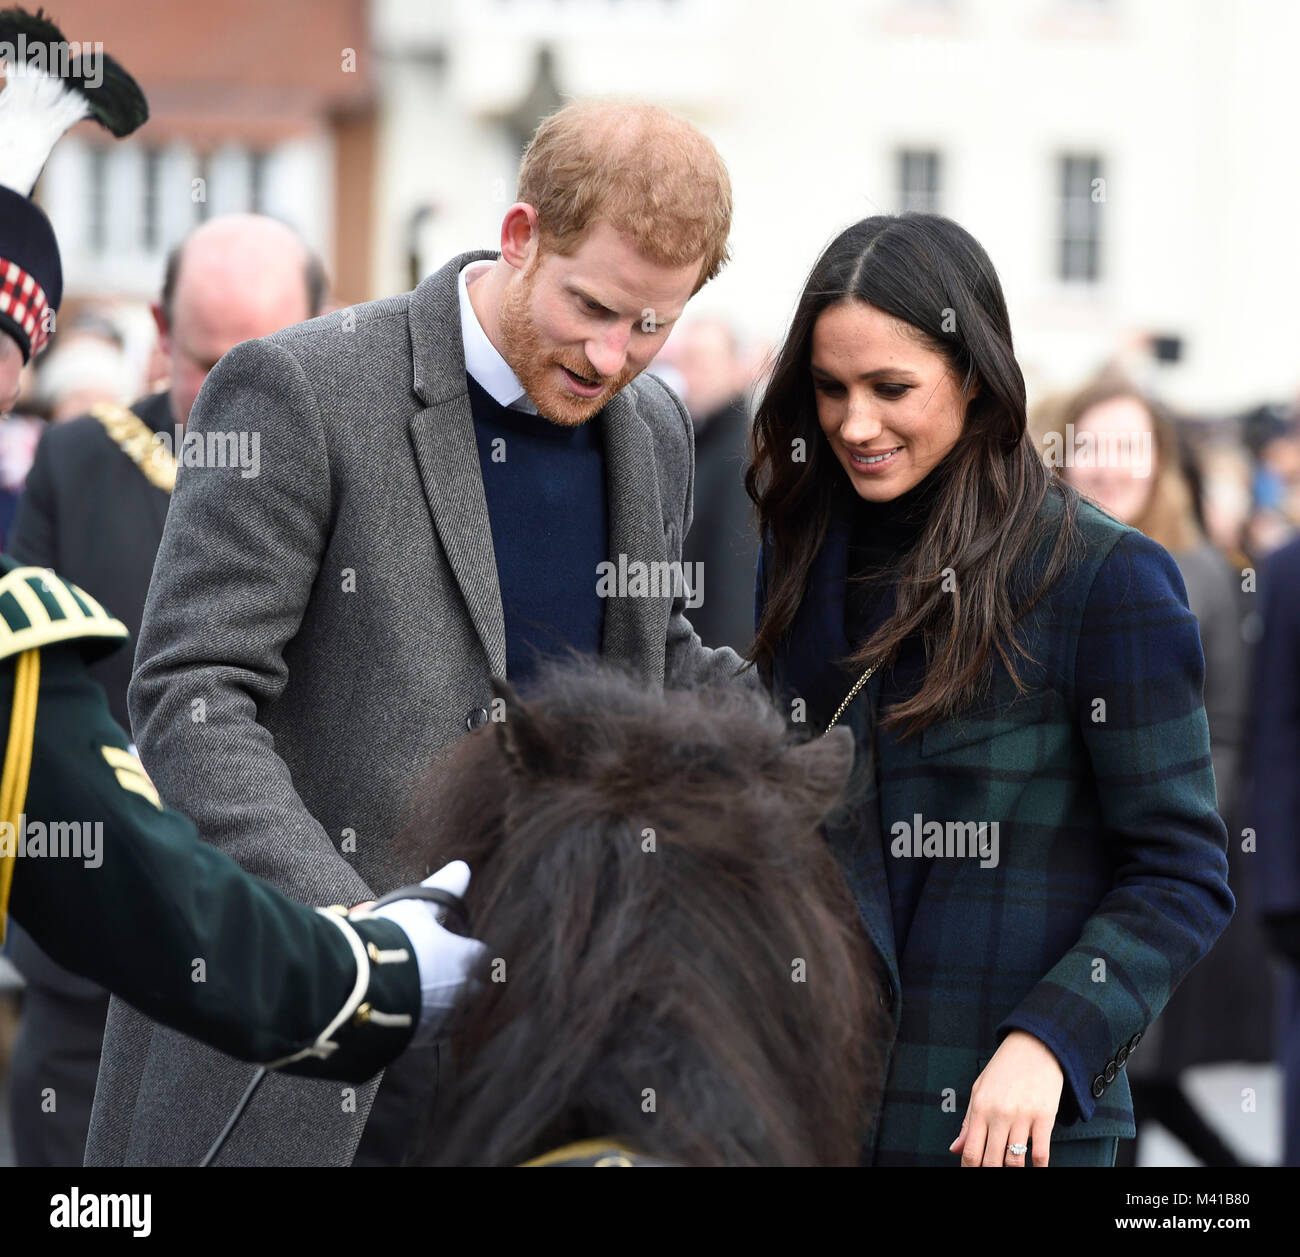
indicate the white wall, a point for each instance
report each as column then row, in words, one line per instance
column 1190, row 103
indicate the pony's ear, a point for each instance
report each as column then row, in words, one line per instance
column 521, row 735
column 822, row 766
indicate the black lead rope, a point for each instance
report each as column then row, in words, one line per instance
column 453, row 903
column 455, row 907
column 234, row 1118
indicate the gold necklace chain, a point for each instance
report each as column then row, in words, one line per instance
column 850, row 696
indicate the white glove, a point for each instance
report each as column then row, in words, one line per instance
column 445, row 960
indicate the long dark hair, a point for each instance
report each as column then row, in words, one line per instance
column 934, row 276
column 675, row 962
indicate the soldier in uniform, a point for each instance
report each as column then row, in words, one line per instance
column 112, row 884
column 119, row 888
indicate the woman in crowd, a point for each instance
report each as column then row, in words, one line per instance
column 1223, row 1012
column 1035, row 851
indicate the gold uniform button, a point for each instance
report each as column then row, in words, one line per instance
column 361, row 1016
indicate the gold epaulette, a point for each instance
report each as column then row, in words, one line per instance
column 135, row 439
column 39, row 608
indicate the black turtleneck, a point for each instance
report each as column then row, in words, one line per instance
column 883, row 535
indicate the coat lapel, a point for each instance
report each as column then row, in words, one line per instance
column 868, row 879
column 817, row 639
column 869, row 883
column 447, row 456
column 634, row 626
column 446, row 453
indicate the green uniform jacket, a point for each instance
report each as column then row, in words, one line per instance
column 119, row 888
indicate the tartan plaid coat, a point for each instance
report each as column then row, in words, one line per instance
column 1108, row 877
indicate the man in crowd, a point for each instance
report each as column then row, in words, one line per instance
column 97, row 495
column 455, row 482
column 723, row 545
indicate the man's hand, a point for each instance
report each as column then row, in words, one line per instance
column 1013, row 1101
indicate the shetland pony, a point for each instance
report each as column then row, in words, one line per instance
column 675, row 965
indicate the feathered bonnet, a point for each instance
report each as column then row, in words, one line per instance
column 50, row 85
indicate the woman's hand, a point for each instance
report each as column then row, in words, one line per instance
column 1013, row 1101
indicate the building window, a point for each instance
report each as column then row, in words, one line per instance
column 1083, row 193
column 257, row 183
column 202, row 186
column 918, row 181
column 97, row 189
column 149, row 233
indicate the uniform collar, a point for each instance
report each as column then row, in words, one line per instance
column 485, row 365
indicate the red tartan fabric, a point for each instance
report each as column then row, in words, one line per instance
column 23, row 300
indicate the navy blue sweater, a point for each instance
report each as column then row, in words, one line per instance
column 546, row 499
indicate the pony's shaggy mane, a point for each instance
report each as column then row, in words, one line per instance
column 675, row 960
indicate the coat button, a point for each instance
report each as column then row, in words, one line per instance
column 1111, row 1070
column 1135, row 1040
column 1122, row 1055
column 887, row 995
column 476, row 717
column 1098, row 1086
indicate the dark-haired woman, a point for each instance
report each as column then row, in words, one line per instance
column 1035, row 851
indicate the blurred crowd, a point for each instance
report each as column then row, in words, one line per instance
column 1220, row 492
column 1239, row 473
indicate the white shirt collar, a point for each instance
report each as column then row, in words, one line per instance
column 488, row 368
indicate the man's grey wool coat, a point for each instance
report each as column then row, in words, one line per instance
column 318, row 634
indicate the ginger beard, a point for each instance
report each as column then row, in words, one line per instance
column 537, row 367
